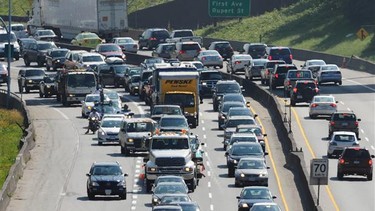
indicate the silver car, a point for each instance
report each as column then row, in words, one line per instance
column 127, row 44
column 238, row 62
column 254, row 70
column 109, row 130
column 339, row 141
column 210, row 58
column 322, row 105
column 251, row 171
column 329, row 73
column 89, row 103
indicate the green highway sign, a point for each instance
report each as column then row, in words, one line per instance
column 229, row 8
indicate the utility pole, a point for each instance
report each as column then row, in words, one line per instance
column 9, row 49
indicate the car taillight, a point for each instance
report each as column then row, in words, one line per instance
column 356, row 123
column 269, row 57
column 314, row 105
column 342, row 161
column 295, row 90
column 370, row 162
column 332, row 123
column 291, row 57
column 333, row 105
column 237, row 62
column 182, row 52
column 276, row 75
column 152, row 38
column 316, row 90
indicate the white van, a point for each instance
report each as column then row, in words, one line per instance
column 13, row 41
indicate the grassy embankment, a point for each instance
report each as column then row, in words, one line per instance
column 19, row 7
column 308, row 24
column 10, row 135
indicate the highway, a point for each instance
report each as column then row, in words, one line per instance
column 55, row 177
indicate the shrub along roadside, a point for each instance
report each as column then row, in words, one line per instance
column 10, row 135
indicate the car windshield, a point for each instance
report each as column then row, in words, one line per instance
column 109, row 48
column 242, row 139
column 167, row 48
column 235, row 122
column 210, row 53
column 189, row 207
column 259, row 62
column 272, row 64
column 46, row 46
column 49, row 79
column 34, row 72
column 344, row 138
column 239, row 112
column 265, row 207
column 316, row 63
column 199, row 65
column 133, row 127
column 89, row 36
column 240, row 150
column 344, row 117
column 280, row 51
column 170, row 143
column 168, row 179
column 306, row 85
column 254, row 193
column 106, row 170
column 254, row 130
column 242, row 57
column 106, row 109
column 46, row 32
column 330, row 67
column 167, row 188
column 134, row 72
column 251, row 164
column 227, row 106
column 81, row 80
column 154, row 61
column 125, row 40
column 119, row 69
column 171, row 199
column 111, row 123
column 228, row 88
column 193, row 46
column 222, row 45
column 59, row 53
column 323, row 100
column 4, row 38
column 136, row 79
column 160, row 33
column 92, row 98
column 299, row 74
column 183, row 34
column 173, row 122
column 18, row 28
column 235, row 98
column 92, row 59
column 211, row 76
column 183, row 100
column 166, row 110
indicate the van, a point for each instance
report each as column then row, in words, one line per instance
column 187, row 51
column 280, row 53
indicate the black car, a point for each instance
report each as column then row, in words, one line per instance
column 47, row 86
column 303, row 91
column 253, row 194
column 55, row 58
column 165, row 50
column 241, row 150
column 151, row 38
column 280, row 53
column 278, row 75
column 106, row 178
column 208, row 80
column 129, row 72
column 23, row 42
column 255, row 50
column 343, row 121
column 222, row 88
column 30, row 78
column 223, row 47
column 112, row 73
column 355, row 161
column 36, row 52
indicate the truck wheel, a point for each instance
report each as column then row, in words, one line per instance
column 148, row 186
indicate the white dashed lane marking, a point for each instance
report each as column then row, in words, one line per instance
column 210, row 195
column 349, row 109
column 203, row 128
column 342, row 103
column 204, row 136
column 366, row 139
column 362, row 131
column 211, row 207
column 209, row 184
column 372, row 147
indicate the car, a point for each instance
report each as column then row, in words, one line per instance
column 165, row 51
column 47, row 86
column 149, row 63
column 45, row 35
column 257, row 130
column 106, row 178
column 238, row 138
column 238, row 62
column 231, row 124
column 159, row 110
column 168, row 178
column 90, row 61
column 19, row 30
column 278, row 75
column 71, row 58
column 255, row 68
column 36, row 52
column 234, row 97
column 187, row 51
column 24, row 42
column 253, row 194
column 340, row 140
column 152, row 37
column 266, row 71
column 197, row 64
column 108, row 130
column 55, row 58
column 134, row 84
column 188, row 206
column 4, row 42
column 329, row 73
column 127, row 44
column 355, row 161
column 117, row 116
column 322, row 105
column 224, row 87
column 133, row 132
column 313, row 65
column 112, row 72
column 87, row 39
column 89, row 103
column 173, row 123
column 223, row 111
column 251, row 171
column 110, row 50
column 242, row 150
column 210, row 58
column 145, row 74
column 280, row 53
column 255, row 50
column 208, row 80
column 265, row 206
column 29, row 79
column 223, row 47
column 175, row 198
column 303, row 91
column 167, row 188
column 129, row 72
column 294, row 75
column 343, row 121
column 113, row 95
column 3, row 73
column 107, row 108
column 167, row 207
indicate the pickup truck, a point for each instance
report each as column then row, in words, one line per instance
column 184, row 35
column 292, row 76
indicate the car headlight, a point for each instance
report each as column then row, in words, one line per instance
column 131, row 140
column 122, row 183
column 218, row 97
column 188, row 169
column 71, row 95
column 242, row 175
column 94, row 184
column 234, row 161
column 102, row 133
column 152, row 169
column 155, row 199
column 263, row 175
column 244, row 205
column 89, row 107
column 58, row 60
column 30, row 81
column 204, row 84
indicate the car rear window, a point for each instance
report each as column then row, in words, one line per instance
column 280, row 51
column 160, row 33
column 272, row 64
column 331, row 72
column 299, row 74
column 344, row 116
column 222, row 45
column 303, row 85
column 344, row 138
column 284, row 69
column 356, row 153
column 193, row 46
column 257, row 48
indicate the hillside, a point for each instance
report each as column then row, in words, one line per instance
column 19, row 7
column 309, row 24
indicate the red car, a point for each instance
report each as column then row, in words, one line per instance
column 110, row 50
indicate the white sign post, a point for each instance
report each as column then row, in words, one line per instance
column 319, row 173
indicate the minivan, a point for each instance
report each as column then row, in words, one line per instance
column 280, row 53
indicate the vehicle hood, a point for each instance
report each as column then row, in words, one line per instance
column 138, row 134
column 171, row 153
column 112, row 53
column 107, row 178
column 111, row 129
column 34, row 77
column 251, row 171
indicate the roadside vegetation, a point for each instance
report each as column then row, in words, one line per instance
column 319, row 25
column 135, row 5
column 10, row 135
column 19, row 7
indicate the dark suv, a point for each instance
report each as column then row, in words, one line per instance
column 303, row 91
column 355, row 161
column 343, row 121
column 222, row 88
column 30, row 79
column 255, row 50
column 223, row 47
column 208, row 80
column 106, row 178
column 36, row 52
column 280, row 53
column 278, row 75
column 151, row 38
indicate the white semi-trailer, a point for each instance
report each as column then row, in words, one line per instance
column 67, row 18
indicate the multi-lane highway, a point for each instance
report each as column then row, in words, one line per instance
column 55, row 177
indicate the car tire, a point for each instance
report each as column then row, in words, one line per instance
column 329, row 155
column 230, row 172
column 20, row 88
column 236, row 184
column 27, row 90
column 369, row 177
column 340, row 176
column 192, row 184
column 312, row 116
column 292, row 102
column 17, row 57
column 340, row 83
column 148, row 186
column 194, row 124
column 123, row 195
column 40, row 93
column 246, row 77
column 100, row 143
column 126, row 152
column 225, row 147
column 221, row 66
column 273, row 87
column 40, row 63
column 90, row 195
column 215, row 107
column 48, row 68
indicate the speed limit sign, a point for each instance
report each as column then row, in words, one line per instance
column 319, row 171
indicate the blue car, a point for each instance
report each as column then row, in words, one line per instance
column 280, row 53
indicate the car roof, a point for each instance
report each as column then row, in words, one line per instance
column 169, row 183
column 217, row 42
column 227, row 82
column 131, row 120
column 209, row 71
column 279, row 47
column 248, row 126
column 112, row 119
column 90, row 54
column 169, row 176
column 238, row 108
column 233, row 94
column 246, row 143
column 106, row 163
column 256, row 187
column 243, row 135
column 253, row 158
column 233, row 103
column 42, row 42
column 343, row 133
column 240, row 117
column 167, row 106
column 174, row 116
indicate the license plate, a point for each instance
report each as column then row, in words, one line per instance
column 299, row 96
column 108, row 192
column 161, row 40
column 356, row 162
column 344, row 124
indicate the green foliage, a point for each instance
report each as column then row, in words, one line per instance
column 135, row 5
column 19, row 7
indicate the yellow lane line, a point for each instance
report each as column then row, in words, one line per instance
column 273, row 165
column 313, row 155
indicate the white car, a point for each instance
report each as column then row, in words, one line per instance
column 210, row 58
column 89, row 103
column 322, row 105
column 339, row 141
column 238, row 62
column 313, row 62
column 127, row 44
column 109, row 130
column 45, row 34
column 90, row 60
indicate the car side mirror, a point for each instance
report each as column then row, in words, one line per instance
column 88, row 174
column 359, row 139
column 255, row 115
column 265, row 153
column 358, row 120
column 125, row 175
column 265, row 134
column 237, row 197
column 226, row 153
column 274, row 197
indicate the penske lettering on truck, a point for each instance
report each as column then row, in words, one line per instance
column 178, row 81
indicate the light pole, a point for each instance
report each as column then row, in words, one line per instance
column 9, row 49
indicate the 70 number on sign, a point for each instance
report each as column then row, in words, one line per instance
column 320, row 169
